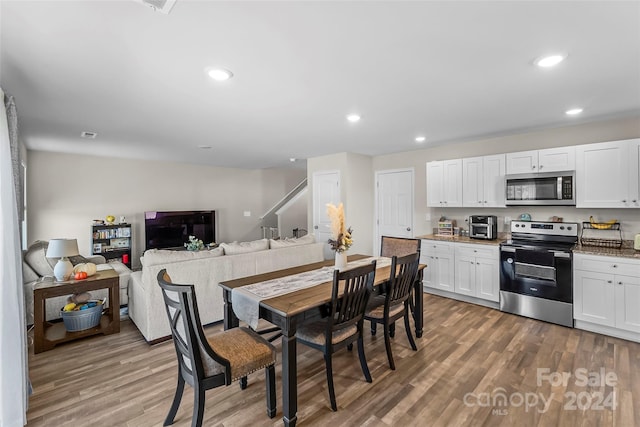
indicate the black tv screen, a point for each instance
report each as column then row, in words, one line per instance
column 172, row 229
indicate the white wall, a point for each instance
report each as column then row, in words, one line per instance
column 66, row 192
column 571, row 135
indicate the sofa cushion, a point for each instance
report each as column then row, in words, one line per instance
column 163, row 256
column 235, row 248
column 292, row 241
column 35, row 257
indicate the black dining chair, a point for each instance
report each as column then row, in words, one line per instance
column 208, row 362
column 394, row 304
column 344, row 322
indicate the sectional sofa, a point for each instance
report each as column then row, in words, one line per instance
column 205, row 269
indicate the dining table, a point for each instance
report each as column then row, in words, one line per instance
column 290, row 310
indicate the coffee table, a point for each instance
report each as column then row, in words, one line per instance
column 49, row 334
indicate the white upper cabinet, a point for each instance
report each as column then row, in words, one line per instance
column 444, row 183
column 483, row 182
column 547, row 160
column 607, row 175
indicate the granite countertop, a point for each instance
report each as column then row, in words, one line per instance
column 626, row 251
column 464, row 239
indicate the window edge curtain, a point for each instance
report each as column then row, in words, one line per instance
column 13, row 342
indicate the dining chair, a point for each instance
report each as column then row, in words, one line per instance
column 344, row 322
column 394, row 304
column 208, row 362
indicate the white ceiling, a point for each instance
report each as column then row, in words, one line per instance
column 453, row 71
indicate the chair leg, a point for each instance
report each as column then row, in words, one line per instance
column 387, row 344
column 363, row 359
column 243, row 383
column 407, row 326
column 350, row 346
column 392, row 330
column 332, row 393
column 177, row 398
column 373, row 328
column 198, row 406
column 270, row 373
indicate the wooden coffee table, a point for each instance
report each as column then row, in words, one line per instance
column 49, row 334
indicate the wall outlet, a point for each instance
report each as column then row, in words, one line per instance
column 507, row 220
column 247, row 213
column 427, row 217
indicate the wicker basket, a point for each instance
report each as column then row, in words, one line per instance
column 604, row 238
column 82, row 319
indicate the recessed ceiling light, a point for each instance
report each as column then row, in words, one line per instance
column 573, row 111
column 220, row 74
column 292, row 159
column 353, row 118
column 89, row 135
column 550, row 61
column 420, row 139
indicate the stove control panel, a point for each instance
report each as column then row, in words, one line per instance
column 548, row 228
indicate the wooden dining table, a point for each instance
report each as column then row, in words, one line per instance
column 291, row 310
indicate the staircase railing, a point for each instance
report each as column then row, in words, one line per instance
column 270, row 218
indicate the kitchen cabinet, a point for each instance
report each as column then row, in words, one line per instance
column 606, row 292
column 438, row 256
column 546, row 160
column 444, row 183
column 477, row 271
column 608, row 174
column 483, row 184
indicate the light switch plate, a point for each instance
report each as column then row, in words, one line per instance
column 247, row 213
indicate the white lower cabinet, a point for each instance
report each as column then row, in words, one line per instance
column 465, row 269
column 477, row 271
column 606, row 292
column 438, row 256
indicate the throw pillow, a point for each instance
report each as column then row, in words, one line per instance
column 78, row 259
column 291, row 241
column 235, row 248
column 35, row 257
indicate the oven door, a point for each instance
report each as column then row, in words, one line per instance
column 541, row 273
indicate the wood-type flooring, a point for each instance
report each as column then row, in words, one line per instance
column 474, row 366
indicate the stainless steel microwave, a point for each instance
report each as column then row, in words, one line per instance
column 550, row 188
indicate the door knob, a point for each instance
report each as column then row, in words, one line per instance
column 408, row 228
column 315, row 227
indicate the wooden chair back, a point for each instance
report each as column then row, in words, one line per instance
column 349, row 297
column 398, row 246
column 403, row 275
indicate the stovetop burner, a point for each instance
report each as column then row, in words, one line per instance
column 560, row 236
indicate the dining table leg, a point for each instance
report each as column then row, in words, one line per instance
column 230, row 319
column 289, row 378
column 418, row 305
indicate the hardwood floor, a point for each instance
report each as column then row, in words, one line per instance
column 469, row 357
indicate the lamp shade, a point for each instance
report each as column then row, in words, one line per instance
column 59, row 248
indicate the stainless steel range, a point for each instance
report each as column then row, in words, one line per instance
column 536, row 278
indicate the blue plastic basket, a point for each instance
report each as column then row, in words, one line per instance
column 82, row 319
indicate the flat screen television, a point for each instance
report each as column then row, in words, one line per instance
column 172, row 229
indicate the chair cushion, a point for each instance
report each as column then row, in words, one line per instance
column 378, row 312
column 245, row 350
column 235, row 248
column 314, row 333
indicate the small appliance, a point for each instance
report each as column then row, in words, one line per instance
column 556, row 188
column 483, row 227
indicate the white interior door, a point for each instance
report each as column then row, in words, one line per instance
column 394, row 204
column 326, row 189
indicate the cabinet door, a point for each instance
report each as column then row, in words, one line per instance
column 445, row 272
column 452, row 183
column 472, row 185
column 465, row 274
column 493, row 183
column 634, row 173
column 557, row 159
column 602, row 175
column 627, row 297
column 435, row 174
column 488, row 278
column 429, row 274
column 522, row 162
column 593, row 297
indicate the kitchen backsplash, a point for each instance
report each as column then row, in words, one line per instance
column 629, row 218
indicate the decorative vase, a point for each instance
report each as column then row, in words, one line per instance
column 341, row 260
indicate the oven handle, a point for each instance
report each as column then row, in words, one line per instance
column 556, row 254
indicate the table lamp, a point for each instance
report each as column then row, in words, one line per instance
column 62, row 248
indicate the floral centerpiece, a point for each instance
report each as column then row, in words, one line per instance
column 194, row 244
column 341, row 239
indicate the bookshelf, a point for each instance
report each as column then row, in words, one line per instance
column 112, row 242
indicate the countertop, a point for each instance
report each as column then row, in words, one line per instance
column 626, row 251
column 464, row 239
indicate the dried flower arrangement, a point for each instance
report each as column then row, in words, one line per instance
column 341, row 238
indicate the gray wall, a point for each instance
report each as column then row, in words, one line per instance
column 65, row 192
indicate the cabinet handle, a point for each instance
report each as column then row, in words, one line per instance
column 609, row 281
column 624, row 201
column 478, row 263
column 533, row 167
column 437, row 258
column 619, row 283
column 485, row 201
column 540, row 166
column 614, row 266
column 480, row 201
column 471, row 262
column 634, row 200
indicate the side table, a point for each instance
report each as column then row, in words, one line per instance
column 49, row 334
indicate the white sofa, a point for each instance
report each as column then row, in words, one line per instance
column 36, row 267
column 205, row 269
